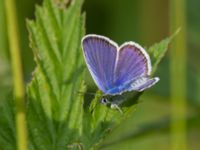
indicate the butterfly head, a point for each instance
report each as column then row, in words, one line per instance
column 112, row 103
column 105, row 100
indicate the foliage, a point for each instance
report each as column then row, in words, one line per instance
column 158, row 50
column 56, row 115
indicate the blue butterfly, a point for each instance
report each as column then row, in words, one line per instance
column 117, row 69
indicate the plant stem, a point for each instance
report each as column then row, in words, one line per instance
column 178, row 76
column 17, row 74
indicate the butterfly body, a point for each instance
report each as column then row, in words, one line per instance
column 117, row 69
column 118, row 90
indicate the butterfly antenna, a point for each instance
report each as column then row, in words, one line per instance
column 88, row 93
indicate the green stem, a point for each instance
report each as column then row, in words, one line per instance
column 178, row 76
column 17, row 74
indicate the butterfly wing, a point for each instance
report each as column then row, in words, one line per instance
column 100, row 56
column 142, row 83
column 133, row 62
column 133, row 68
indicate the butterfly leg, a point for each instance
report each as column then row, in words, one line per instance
column 115, row 106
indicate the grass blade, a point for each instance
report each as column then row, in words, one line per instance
column 17, row 72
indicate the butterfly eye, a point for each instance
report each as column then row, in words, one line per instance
column 104, row 101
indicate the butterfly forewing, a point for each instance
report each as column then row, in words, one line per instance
column 100, row 55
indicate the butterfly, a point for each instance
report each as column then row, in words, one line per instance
column 117, row 69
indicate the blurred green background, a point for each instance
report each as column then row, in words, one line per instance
column 143, row 21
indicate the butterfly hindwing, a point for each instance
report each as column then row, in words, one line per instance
column 143, row 83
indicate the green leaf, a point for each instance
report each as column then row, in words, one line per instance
column 158, row 50
column 54, row 107
column 7, row 124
